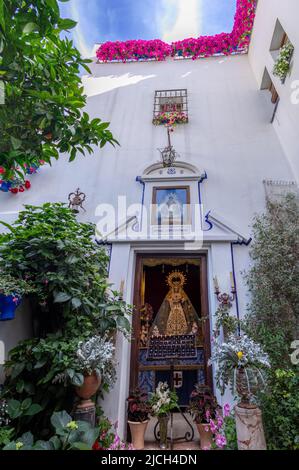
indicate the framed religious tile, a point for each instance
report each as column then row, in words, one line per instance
column 171, row 205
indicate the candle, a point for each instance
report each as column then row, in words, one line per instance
column 232, row 281
column 121, row 289
column 216, row 284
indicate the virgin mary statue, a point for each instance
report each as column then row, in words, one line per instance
column 176, row 316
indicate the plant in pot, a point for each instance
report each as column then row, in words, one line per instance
column 96, row 364
column 11, row 292
column 242, row 364
column 138, row 416
column 162, row 402
column 203, row 407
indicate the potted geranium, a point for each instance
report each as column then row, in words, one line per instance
column 162, row 402
column 138, row 417
column 241, row 363
column 11, row 293
column 96, row 364
column 203, row 407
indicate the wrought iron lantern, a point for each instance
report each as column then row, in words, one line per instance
column 168, row 154
column 76, row 200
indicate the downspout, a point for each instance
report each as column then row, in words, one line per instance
column 140, row 180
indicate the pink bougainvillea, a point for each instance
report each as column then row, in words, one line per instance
column 205, row 46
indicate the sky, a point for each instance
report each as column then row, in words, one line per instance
column 169, row 20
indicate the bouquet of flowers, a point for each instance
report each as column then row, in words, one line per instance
column 163, row 400
column 282, row 64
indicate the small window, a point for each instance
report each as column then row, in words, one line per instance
column 170, row 101
column 171, row 205
column 267, row 84
column 279, row 39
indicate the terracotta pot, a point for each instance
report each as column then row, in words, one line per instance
column 206, row 437
column 90, row 386
column 137, row 433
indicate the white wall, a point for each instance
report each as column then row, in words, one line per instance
column 286, row 122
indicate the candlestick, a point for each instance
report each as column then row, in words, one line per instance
column 216, row 285
column 232, row 280
column 121, row 288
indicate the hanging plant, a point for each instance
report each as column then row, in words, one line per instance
column 170, row 118
column 283, row 62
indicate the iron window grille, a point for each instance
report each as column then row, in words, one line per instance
column 169, row 101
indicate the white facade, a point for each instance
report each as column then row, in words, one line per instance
column 229, row 136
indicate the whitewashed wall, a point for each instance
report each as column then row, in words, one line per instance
column 229, row 136
column 286, row 122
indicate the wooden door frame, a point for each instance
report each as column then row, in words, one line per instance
column 204, row 301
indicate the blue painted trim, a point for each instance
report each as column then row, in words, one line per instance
column 207, row 221
column 139, row 180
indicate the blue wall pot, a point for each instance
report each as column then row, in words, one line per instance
column 8, row 307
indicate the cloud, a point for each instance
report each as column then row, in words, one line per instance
column 79, row 35
column 181, row 19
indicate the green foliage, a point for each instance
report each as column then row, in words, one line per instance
column 281, row 410
column 230, row 433
column 69, row 435
column 283, row 62
column 72, row 302
column 40, row 71
column 6, row 435
column 10, row 285
column 225, row 321
column 273, row 315
column 203, row 404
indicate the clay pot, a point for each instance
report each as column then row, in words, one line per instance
column 205, row 435
column 90, row 386
column 137, row 432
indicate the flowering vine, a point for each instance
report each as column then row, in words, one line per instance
column 16, row 185
column 205, row 46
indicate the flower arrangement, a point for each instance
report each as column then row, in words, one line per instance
column 204, row 46
column 133, row 50
column 163, row 401
column 14, row 184
column 203, row 404
column 241, row 363
column 138, row 406
column 96, row 355
column 170, row 119
column 282, row 64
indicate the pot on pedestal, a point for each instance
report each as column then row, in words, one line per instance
column 85, row 410
column 137, row 432
column 205, row 435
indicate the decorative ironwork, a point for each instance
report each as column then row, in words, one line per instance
column 76, row 200
column 170, row 101
column 223, row 298
column 168, row 154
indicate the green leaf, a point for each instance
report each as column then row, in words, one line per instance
column 62, row 297
column 76, row 303
column 33, row 410
column 66, row 24
column 16, row 143
column 29, row 27
column 2, row 20
column 81, row 446
column 78, row 380
column 14, row 409
column 59, row 420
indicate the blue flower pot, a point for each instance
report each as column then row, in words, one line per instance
column 8, row 306
column 5, row 186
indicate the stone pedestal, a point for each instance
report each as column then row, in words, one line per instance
column 250, row 431
column 85, row 412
